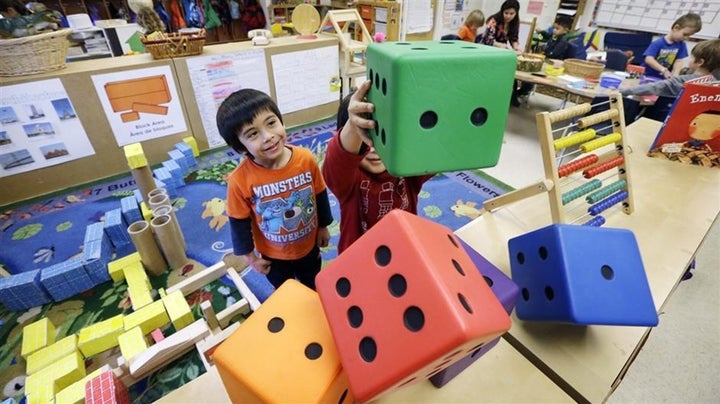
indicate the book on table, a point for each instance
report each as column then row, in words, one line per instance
column 691, row 131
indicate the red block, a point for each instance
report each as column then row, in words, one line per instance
column 404, row 302
column 106, row 389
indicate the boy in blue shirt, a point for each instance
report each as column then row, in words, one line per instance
column 666, row 56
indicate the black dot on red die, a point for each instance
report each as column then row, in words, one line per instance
column 488, row 280
column 355, row 316
column 368, row 349
column 397, row 285
column 458, row 267
column 414, row 318
column 276, row 324
column 313, row 351
column 383, row 255
column 342, row 287
column 465, row 304
column 452, row 240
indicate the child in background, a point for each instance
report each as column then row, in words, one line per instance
column 357, row 176
column 276, row 200
column 704, row 60
column 474, row 20
column 665, row 56
column 558, row 46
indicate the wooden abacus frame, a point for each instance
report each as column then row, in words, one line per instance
column 556, row 176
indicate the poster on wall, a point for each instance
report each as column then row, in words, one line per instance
column 39, row 127
column 306, row 79
column 215, row 77
column 140, row 104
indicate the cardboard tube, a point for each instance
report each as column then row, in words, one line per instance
column 169, row 240
column 157, row 191
column 170, row 211
column 142, row 236
column 158, row 200
column 145, row 182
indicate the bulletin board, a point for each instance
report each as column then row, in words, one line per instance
column 657, row 16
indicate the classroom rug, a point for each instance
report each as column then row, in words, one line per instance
column 51, row 230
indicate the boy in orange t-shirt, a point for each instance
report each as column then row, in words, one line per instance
column 277, row 199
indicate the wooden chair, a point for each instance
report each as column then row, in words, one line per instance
column 352, row 42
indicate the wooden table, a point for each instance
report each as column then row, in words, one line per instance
column 675, row 206
column 501, row 375
column 569, row 92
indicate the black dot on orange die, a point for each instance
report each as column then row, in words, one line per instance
column 275, row 324
column 343, row 396
column 414, row 318
column 313, row 351
column 368, row 349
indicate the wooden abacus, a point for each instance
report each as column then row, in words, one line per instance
column 579, row 176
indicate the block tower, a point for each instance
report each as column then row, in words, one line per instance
column 439, row 106
column 582, row 275
column 404, row 307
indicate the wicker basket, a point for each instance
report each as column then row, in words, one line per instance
column 582, row 68
column 175, row 45
column 34, row 54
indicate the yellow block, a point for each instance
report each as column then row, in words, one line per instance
column 132, row 342
column 75, row 393
column 178, row 309
column 139, row 297
column 135, row 155
column 136, row 276
column 115, row 268
column 57, row 376
column 193, row 145
column 148, row 318
column 37, row 335
column 146, row 212
column 48, row 355
column 45, row 396
column 100, row 337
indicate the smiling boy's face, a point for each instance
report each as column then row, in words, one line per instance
column 264, row 138
column 372, row 163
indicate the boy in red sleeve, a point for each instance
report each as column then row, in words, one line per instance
column 358, row 178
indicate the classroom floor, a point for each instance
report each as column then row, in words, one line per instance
column 680, row 361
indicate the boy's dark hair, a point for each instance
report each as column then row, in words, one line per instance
column 689, row 20
column 709, row 52
column 342, row 114
column 240, row 109
column 564, row 21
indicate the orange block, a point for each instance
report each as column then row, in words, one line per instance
column 283, row 353
column 404, row 302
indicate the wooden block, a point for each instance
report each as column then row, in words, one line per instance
column 243, row 288
column 149, row 90
column 225, row 315
column 150, row 108
column 210, row 317
column 168, row 349
column 37, row 335
column 206, row 347
column 157, row 335
column 130, row 116
column 132, row 342
column 199, row 280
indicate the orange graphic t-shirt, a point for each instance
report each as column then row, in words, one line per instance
column 280, row 202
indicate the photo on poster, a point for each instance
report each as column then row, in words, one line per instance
column 141, row 104
column 8, row 115
column 41, row 127
column 54, row 150
column 34, row 111
column 38, row 129
column 15, row 159
column 64, row 109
